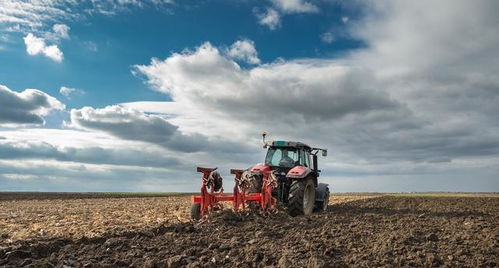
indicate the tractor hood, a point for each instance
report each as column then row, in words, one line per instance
column 298, row 172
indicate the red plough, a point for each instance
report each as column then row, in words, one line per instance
column 212, row 193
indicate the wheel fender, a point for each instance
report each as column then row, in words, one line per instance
column 298, row 172
column 320, row 191
column 263, row 168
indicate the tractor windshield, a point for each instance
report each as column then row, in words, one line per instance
column 282, row 157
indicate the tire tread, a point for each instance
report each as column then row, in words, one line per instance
column 296, row 192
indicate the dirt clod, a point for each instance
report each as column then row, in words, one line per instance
column 432, row 237
column 175, row 261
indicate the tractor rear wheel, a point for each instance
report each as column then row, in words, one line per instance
column 255, row 184
column 196, row 211
column 301, row 197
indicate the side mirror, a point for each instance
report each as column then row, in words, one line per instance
column 324, row 152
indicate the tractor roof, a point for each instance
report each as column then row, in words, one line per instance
column 293, row 144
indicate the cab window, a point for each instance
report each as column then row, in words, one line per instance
column 282, row 157
column 304, row 159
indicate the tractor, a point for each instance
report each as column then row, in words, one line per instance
column 288, row 178
column 296, row 168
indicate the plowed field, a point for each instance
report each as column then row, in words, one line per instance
column 357, row 230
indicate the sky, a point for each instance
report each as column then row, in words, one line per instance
column 133, row 95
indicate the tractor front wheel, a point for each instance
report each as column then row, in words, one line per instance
column 301, row 197
column 196, row 211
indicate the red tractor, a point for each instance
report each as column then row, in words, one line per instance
column 289, row 178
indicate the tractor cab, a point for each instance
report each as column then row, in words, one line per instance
column 285, row 155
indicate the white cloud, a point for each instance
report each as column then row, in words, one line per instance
column 386, row 105
column 124, row 155
column 124, row 122
column 46, row 175
column 221, row 94
column 269, row 18
column 36, row 45
column 244, row 50
column 327, row 37
column 135, row 125
column 416, row 109
column 26, row 107
column 36, row 15
column 61, row 31
column 96, row 161
column 53, row 52
column 345, row 19
column 158, row 107
column 69, row 91
column 22, row 177
column 295, row 6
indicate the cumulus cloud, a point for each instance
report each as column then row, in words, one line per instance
column 418, row 102
column 269, row 18
column 26, row 107
column 68, row 92
column 244, row 50
column 36, row 45
column 81, row 160
column 130, row 124
column 125, row 123
column 59, row 31
column 27, row 149
column 295, row 6
column 419, row 92
column 304, row 89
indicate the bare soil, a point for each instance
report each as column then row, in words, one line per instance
column 369, row 231
column 16, row 196
column 60, row 216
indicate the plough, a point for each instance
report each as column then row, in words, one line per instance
column 212, row 192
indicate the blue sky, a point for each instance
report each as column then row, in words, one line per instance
column 132, row 95
column 136, row 34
